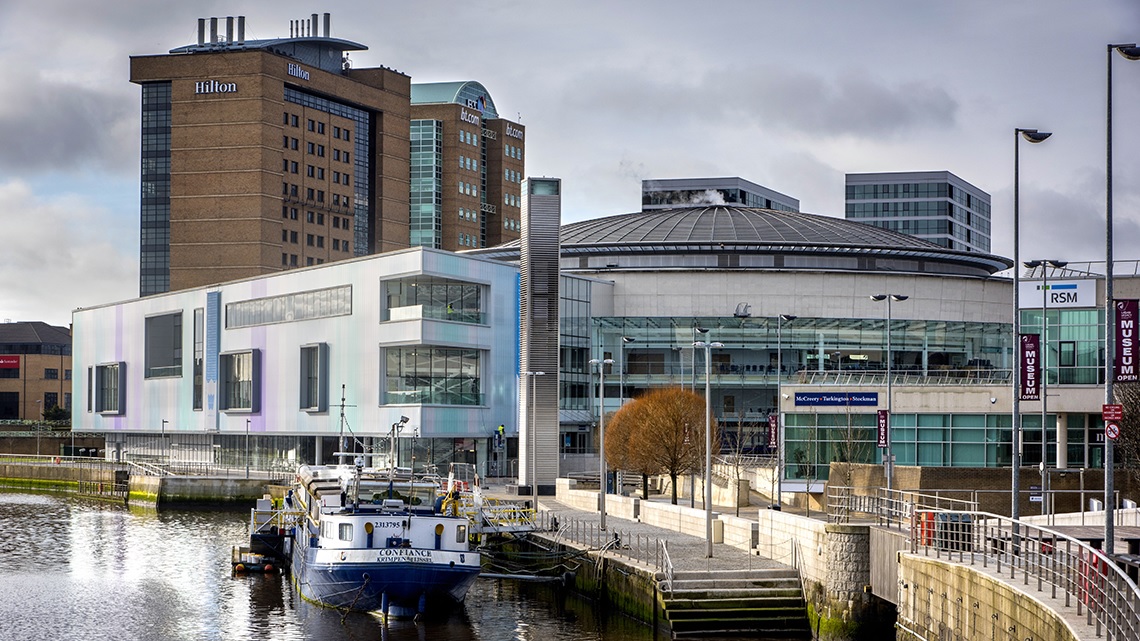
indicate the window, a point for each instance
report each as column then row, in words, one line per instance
column 314, row 374
column 344, row 533
column 51, row 374
column 310, row 147
column 164, row 345
column 310, row 171
column 312, row 125
column 320, row 219
column 320, row 241
column 67, row 375
column 309, row 240
column 51, row 399
column 336, row 132
column 293, row 143
column 336, row 155
column 320, row 127
column 311, row 216
column 240, row 380
column 110, row 388
column 284, row 235
column 293, row 120
column 321, row 151
column 336, row 244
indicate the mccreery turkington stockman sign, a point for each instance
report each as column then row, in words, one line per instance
column 1030, row 367
column 1124, row 365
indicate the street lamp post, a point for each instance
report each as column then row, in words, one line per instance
column 780, row 320
column 600, row 365
column 246, row 447
column 888, row 457
column 625, row 340
column 1033, row 136
column 1044, row 265
column 533, row 472
column 708, row 442
column 39, row 424
column 697, row 329
column 1130, row 52
column 162, row 442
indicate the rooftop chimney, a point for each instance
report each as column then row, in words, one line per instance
column 201, row 31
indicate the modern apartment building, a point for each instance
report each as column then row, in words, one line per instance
column 933, row 205
column 690, row 192
column 264, row 155
column 466, row 168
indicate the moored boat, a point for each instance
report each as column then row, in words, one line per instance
column 374, row 540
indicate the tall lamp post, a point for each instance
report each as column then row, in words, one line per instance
column 697, row 329
column 1033, row 136
column 708, row 442
column 246, row 448
column 533, row 473
column 1044, row 265
column 625, row 340
column 780, row 320
column 888, row 458
column 1130, row 52
column 600, row 365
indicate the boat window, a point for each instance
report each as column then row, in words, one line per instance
column 345, row 532
column 460, row 533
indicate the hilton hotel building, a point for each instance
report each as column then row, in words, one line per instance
column 265, row 155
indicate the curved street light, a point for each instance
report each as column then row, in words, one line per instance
column 708, row 444
column 600, row 365
column 1033, row 136
column 1130, row 52
column 779, row 427
column 1044, row 347
column 888, row 458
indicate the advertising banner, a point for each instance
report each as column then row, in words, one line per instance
column 884, row 425
column 1124, row 365
column 1030, row 367
column 9, row 361
column 773, row 430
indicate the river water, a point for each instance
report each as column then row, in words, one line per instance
column 74, row 569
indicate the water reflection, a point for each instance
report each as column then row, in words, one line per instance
column 74, row 569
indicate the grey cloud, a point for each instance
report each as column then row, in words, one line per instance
column 56, row 126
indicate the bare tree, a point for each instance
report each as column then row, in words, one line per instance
column 1127, row 448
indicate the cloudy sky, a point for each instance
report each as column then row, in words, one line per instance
column 791, row 95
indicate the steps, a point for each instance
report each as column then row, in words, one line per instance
column 737, row 602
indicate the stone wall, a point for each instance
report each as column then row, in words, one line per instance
column 941, row 600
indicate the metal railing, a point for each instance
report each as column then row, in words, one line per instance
column 668, row 567
column 1066, row 567
column 931, row 377
column 640, row 548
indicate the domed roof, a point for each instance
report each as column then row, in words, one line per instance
column 819, row 241
column 727, row 224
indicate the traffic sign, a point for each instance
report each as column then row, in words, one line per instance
column 1112, row 412
column 1112, row 430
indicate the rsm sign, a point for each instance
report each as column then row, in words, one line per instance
column 1035, row 294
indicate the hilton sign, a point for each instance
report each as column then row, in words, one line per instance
column 213, row 86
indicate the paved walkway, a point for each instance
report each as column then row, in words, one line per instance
column 640, row 541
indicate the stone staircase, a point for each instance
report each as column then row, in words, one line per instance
column 767, row 602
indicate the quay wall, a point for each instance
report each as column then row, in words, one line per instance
column 142, row 490
column 942, row 600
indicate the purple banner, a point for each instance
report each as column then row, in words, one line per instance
column 1030, row 367
column 773, row 430
column 884, row 426
column 1124, row 365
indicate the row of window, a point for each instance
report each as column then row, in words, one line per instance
column 468, row 138
column 50, row 373
column 511, row 224
column 510, row 175
column 469, row 164
column 312, row 149
column 468, row 240
column 513, row 151
column 420, row 374
column 468, row 189
column 292, row 120
column 468, row 214
column 512, row 200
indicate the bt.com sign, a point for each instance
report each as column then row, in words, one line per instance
column 1035, row 294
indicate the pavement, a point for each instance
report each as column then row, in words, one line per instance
column 640, row 540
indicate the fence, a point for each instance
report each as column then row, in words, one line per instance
column 1085, row 577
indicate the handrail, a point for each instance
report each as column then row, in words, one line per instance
column 1110, row 600
column 668, row 569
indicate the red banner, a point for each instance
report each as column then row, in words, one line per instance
column 1124, row 365
column 884, row 427
column 773, row 430
column 9, row 361
column 1030, row 367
